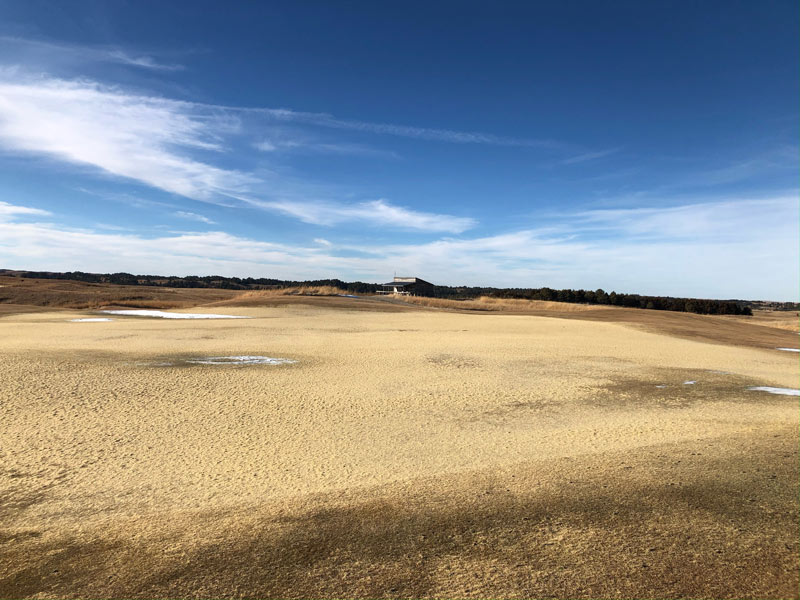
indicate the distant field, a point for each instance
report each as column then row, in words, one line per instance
column 787, row 320
column 487, row 303
column 24, row 295
column 408, row 451
column 59, row 293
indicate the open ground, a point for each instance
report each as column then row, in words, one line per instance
column 410, row 451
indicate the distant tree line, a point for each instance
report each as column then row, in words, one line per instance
column 693, row 305
column 194, row 281
column 600, row 296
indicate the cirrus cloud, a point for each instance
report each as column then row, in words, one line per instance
column 154, row 140
column 377, row 212
column 715, row 263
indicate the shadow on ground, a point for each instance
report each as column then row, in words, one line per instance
column 704, row 520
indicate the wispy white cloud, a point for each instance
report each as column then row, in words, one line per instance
column 407, row 131
column 144, row 138
column 303, row 144
column 10, row 210
column 34, row 245
column 193, row 217
column 42, row 54
column 710, row 220
column 588, row 156
column 768, row 163
column 272, row 145
column 144, row 61
column 735, row 249
column 154, row 140
column 110, row 227
column 126, row 198
column 375, row 212
column 51, row 51
column 710, row 263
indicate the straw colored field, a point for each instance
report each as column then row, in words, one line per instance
column 487, row 303
column 303, row 290
column 787, row 320
column 407, row 453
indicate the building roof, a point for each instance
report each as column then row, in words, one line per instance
column 407, row 280
column 398, row 283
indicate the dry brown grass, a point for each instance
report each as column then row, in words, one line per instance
column 442, row 454
column 765, row 329
column 59, row 293
column 304, row 290
column 487, row 303
column 777, row 319
column 127, row 303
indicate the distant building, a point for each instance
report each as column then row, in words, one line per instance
column 408, row 286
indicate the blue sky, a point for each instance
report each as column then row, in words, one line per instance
column 646, row 147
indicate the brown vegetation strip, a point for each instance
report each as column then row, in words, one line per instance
column 760, row 331
column 703, row 328
column 76, row 294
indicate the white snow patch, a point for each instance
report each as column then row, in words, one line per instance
column 91, row 320
column 689, row 382
column 789, row 349
column 775, row 390
column 160, row 314
column 240, row 360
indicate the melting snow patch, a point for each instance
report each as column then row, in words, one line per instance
column 689, row 382
column 91, row 320
column 774, row 390
column 240, row 360
column 160, row 314
column 789, row 349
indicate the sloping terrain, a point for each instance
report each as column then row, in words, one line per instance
column 407, row 453
column 766, row 329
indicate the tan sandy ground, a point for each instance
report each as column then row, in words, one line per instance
column 410, row 453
